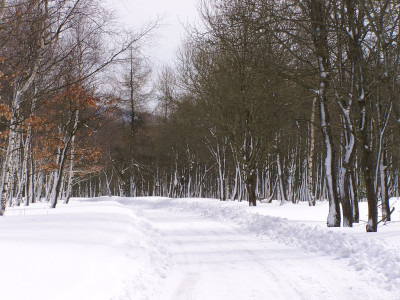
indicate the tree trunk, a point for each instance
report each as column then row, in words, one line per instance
column 319, row 15
column 367, row 164
column 58, row 175
column 345, row 186
column 372, row 225
column 354, row 197
column 7, row 170
column 251, row 182
column 311, row 197
column 72, row 159
column 280, row 179
column 384, row 188
column 347, row 166
column 330, row 171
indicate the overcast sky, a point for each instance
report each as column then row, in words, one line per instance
column 174, row 13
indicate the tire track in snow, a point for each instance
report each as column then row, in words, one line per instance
column 202, row 254
column 364, row 269
column 375, row 261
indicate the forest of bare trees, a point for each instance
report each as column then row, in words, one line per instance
column 54, row 59
column 286, row 100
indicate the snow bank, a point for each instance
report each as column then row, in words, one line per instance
column 374, row 259
column 97, row 249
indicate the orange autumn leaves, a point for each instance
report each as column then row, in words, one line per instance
column 70, row 113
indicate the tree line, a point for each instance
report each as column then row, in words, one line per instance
column 290, row 100
column 54, row 61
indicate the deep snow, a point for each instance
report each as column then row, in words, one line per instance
column 158, row 248
column 89, row 250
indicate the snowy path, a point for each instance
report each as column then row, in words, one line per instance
column 211, row 260
column 112, row 248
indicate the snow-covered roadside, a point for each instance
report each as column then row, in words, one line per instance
column 376, row 261
column 94, row 249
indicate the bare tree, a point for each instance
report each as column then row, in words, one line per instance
column 166, row 87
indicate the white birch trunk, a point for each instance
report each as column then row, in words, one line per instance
column 6, row 170
column 58, row 173
column 281, row 186
column 311, row 197
column 72, row 159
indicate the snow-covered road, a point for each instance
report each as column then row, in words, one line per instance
column 212, row 260
column 112, row 248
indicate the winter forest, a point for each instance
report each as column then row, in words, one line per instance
column 286, row 100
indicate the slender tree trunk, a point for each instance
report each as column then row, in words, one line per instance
column 372, row 225
column 236, row 183
column 354, row 197
column 58, row 174
column 384, row 188
column 280, row 179
column 7, row 170
column 345, row 172
column 330, row 173
column 72, row 159
column 23, row 184
column 311, row 197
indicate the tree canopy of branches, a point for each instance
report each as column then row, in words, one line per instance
column 52, row 54
column 290, row 100
column 239, row 113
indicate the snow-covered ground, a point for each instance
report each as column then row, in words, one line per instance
column 159, row 248
column 84, row 250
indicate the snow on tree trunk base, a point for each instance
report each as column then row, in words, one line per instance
column 347, row 222
column 372, row 225
column 334, row 215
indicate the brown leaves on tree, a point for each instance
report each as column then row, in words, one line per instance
column 74, row 112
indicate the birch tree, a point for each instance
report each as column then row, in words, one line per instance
column 21, row 84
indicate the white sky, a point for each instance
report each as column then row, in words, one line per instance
column 174, row 13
